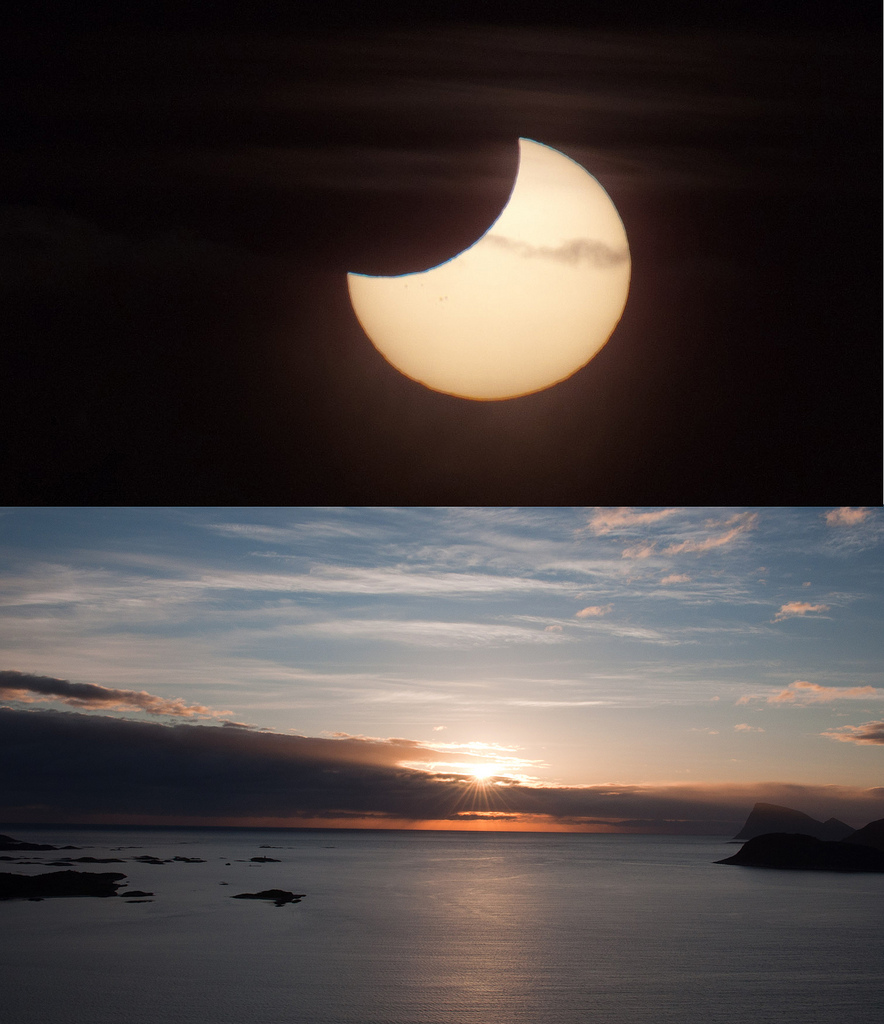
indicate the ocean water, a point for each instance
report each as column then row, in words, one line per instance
column 441, row 928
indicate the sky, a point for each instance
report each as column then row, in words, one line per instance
column 651, row 669
column 186, row 189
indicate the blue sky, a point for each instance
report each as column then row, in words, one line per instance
column 560, row 646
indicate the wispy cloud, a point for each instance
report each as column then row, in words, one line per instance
column 683, row 537
column 737, row 525
column 794, row 609
column 673, row 578
column 25, row 688
column 871, row 733
column 613, row 520
column 745, row 727
column 803, row 692
column 433, row 633
column 643, row 550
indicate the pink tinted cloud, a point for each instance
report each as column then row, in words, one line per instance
column 813, row 693
column 738, row 524
column 674, row 578
column 794, row 608
column 847, row 516
column 26, row 688
column 867, row 733
column 594, row 611
column 607, row 520
column 745, row 727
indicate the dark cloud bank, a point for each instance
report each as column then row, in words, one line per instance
column 69, row 767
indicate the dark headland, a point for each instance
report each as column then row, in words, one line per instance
column 767, row 818
column 798, row 842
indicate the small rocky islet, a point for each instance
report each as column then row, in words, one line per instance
column 68, row 883
column 280, row 897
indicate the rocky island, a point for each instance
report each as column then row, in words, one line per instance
column 59, row 883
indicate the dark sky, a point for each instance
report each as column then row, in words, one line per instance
column 184, row 195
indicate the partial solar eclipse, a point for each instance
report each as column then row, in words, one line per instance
column 524, row 307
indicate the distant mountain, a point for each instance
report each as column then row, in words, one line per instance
column 19, row 845
column 869, row 835
column 767, row 818
column 805, row 853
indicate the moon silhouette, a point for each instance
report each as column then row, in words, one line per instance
column 525, row 306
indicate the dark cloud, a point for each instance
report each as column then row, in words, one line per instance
column 868, row 732
column 64, row 766
column 597, row 254
column 26, row 688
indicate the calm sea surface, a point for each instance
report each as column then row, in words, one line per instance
column 441, row 928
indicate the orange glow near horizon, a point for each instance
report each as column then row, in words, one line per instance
column 464, row 821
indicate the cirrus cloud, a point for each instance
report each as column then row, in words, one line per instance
column 737, row 524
